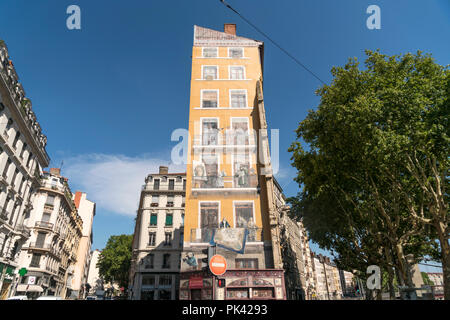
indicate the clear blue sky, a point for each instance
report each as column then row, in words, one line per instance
column 109, row 96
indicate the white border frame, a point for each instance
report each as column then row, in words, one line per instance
column 210, row 65
column 248, row 130
column 246, row 98
column 239, row 66
column 218, row 131
column 200, row 211
column 203, row 52
column 243, row 52
column 201, row 97
column 234, row 211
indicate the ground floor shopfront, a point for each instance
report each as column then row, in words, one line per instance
column 6, row 279
column 155, row 286
column 265, row 284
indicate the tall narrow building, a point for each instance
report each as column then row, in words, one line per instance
column 158, row 237
column 230, row 207
column 22, row 158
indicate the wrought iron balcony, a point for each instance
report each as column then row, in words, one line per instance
column 44, row 225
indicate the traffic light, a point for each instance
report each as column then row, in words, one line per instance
column 221, row 283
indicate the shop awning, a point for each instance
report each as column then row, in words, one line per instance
column 29, row 288
column 195, row 283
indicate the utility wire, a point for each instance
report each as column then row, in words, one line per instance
column 273, row 41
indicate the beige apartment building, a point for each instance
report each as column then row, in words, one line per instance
column 295, row 252
column 22, row 157
column 50, row 253
column 327, row 278
column 158, row 237
column 94, row 280
column 86, row 210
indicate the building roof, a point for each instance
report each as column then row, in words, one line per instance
column 208, row 37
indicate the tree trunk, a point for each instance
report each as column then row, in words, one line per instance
column 445, row 252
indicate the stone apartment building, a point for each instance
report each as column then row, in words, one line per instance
column 86, row 210
column 158, row 237
column 327, row 278
column 22, row 157
column 51, row 251
column 295, row 251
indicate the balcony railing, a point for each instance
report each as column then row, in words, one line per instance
column 218, row 181
column 44, row 224
column 204, row 235
column 217, row 139
column 43, row 246
column 23, row 230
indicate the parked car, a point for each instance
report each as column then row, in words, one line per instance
column 18, row 298
column 49, row 298
column 91, row 298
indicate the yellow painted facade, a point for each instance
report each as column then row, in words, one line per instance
column 228, row 195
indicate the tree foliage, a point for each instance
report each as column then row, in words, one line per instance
column 115, row 259
column 375, row 175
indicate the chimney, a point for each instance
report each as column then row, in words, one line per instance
column 55, row 171
column 163, row 170
column 230, row 28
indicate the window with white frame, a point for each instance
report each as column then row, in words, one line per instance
column 209, row 72
column 235, row 52
column 237, row 73
column 238, row 98
column 210, row 98
column 210, row 52
column 239, row 133
column 210, row 133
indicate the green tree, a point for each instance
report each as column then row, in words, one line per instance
column 115, row 259
column 375, row 176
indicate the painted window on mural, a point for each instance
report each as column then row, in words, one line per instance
column 239, row 134
column 238, row 99
column 209, row 72
column 241, row 169
column 210, row 98
column 210, row 132
column 209, row 219
column 237, row 73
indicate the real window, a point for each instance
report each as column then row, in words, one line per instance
column 35, row 260
column 24, row 147
column 149, row 261
column 237, row 73
column 246, row 263
column 165, row 280
column 156, row 184
column 168, row 239
column 170, row 200
column 148, row 280
column 184, row 184
column 50, row 200
column 210, row 52
column 152, row 239
column 166, row 261
column 171, row 184
column 153, row 219
column 155, row 200
column 210, row 98
column 16, row 139
column 238, row 98
column 209, row 72
column 235, row 52
column 169, row 219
